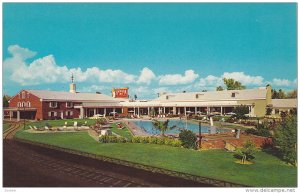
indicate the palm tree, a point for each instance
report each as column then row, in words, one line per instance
column 162, row 126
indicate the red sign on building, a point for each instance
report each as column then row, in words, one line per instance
column 120, row 92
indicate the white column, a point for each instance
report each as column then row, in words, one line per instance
column 18, row 115
column 185, row 111
column 195, row 110
column 148, row 111
column 138, row 111
column 94, row 111
column 10, row 114
column 104, row 112
column 208, row 110
column 221, row 110
column 134, row 110
column 164, row 110
column 81, row 113
column 174, row 110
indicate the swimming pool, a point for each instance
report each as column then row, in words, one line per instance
column 149, row 128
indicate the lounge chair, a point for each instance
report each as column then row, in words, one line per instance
column 31, row 127
column 35, row 128
column 46, row 128
column 52, row 129
column 61, row 128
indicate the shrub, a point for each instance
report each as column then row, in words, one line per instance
column 176, row 143
column 104, row 139
column 121, row 140
column 188, row 139
column 261, row 130
column 241, row 111
column 160, row 141
column 168, row 141
column 153, row 140
column 144, row 140
column 136, row 139
column 246, row 152
column 112, row 139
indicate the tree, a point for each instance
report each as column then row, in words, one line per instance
column 188, row 139
column 231, row 84
column 281, row 94
column 5, row 101
column 246, row 152
column 241, row 111
column 162, row 126
column 285, row 139
column 269, row 111
column 219, row 88
column 274, row 94
column 292, row 94
column 135, row 97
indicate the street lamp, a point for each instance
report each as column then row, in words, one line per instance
column 200, row 135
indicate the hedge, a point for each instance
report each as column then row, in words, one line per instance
column 137, row 139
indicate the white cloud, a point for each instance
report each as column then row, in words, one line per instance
column 281, row 82
column 176, row 79
column 244, row 79
column 17, row 51
column 45, row 70
column 210, row 80
column 146, row 76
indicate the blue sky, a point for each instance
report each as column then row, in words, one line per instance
column 149, row 48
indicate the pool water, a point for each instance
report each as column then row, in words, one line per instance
column 149, row 128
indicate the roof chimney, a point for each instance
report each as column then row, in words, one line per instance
column 72, row 85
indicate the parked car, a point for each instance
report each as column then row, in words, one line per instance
column 230, row 113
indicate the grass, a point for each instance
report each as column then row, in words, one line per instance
column 5, row 126
column 122, row 132
column 268, row 171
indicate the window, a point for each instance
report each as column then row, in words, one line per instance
column 53, row 104
column 19, row 104
column 52, row 114
column 233, row 95
column 23, row 95
column 69, row 113
column 28, row 104
column 23, row 104
column 69, row 104
column 167, row 97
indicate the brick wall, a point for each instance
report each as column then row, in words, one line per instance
column 34, row 102
column 61, row 108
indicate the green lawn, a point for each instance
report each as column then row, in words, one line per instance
column 5, row 126
column 123, row 132
column 268, row 171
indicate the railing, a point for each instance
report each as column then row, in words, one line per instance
column 203, row 180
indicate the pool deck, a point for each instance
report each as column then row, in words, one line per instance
column 136, row 130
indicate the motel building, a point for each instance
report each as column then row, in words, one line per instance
column 47, row 105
